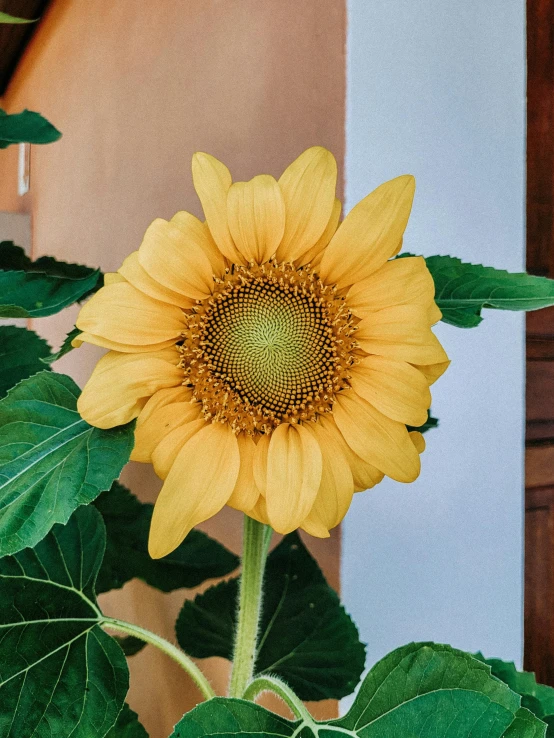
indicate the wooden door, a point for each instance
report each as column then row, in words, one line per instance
column 539, row 474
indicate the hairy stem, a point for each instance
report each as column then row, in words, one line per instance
column 184, row 661
column 282, row 690
column 256, row 538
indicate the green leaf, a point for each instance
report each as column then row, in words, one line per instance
column 429, row 424
column 206, row 625
column 306, row 637
column 22, row 354
column 130, row 645
column 64, row 349
column 26, row 127
column 51, row 460
column 44, row 287
column 224, row 718
column 60, row 674
column 127, row 522
column 422, row 690
column 462, row 290
column 6, row 18
column 525, row 725
column 13, row 257
column 127, row 725
column 538, row 698
column 424, row 681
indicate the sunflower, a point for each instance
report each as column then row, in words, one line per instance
column 274, row 359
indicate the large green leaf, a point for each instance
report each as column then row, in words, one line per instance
column 462, row 290
column 525, row 725
column 224, row 718
column 60, row 674
column 26, row 127
column 43, row 287
column 127, row 522
column 127, row 725
column 51, row 460
column 538, row 698
column 306, row 637
column 22, row 354
column 420, row 682
column 422, row 690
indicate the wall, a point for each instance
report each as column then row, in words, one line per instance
column 136, row 88
column 434, row 88
column 437, row 89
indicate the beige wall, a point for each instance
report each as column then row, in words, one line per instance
column 136, row 88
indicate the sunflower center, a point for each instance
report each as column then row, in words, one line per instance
column 272, row 345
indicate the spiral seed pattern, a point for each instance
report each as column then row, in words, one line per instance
column 273, row 344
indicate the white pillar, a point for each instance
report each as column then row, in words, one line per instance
column 436, row 89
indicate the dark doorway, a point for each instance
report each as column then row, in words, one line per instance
column 539, row 474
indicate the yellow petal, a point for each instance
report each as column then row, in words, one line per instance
column 125, row 348
column 434, row 313
column 398, row 282
column 313, row 255
column 370, row 233
column 199, row 484
column 337, row 486
column 173, row 256
column 139, row 278
column 432, row 372
column 403, row 333
column 364, row 475
column 167, row 450
column 259, row 511
column 162, row 398
column 418, row 441
column 293, row 476
column 212, row 181
column 395, row 388
column 202, row 236
column 245, row 494
column 121, row 384
column 315, row 526
column 164, row 411
column 112, row 278
column 256, row 215
column 380, row 441
column 121, row 314
column 308, row 186
column 160, row 424
column 260, row 464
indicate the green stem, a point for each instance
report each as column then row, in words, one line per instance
column 282, row 690
column 184, row 661
column 256, row 538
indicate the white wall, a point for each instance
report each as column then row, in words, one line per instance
column 436, row 89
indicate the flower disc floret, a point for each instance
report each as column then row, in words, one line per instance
column 273, row 344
